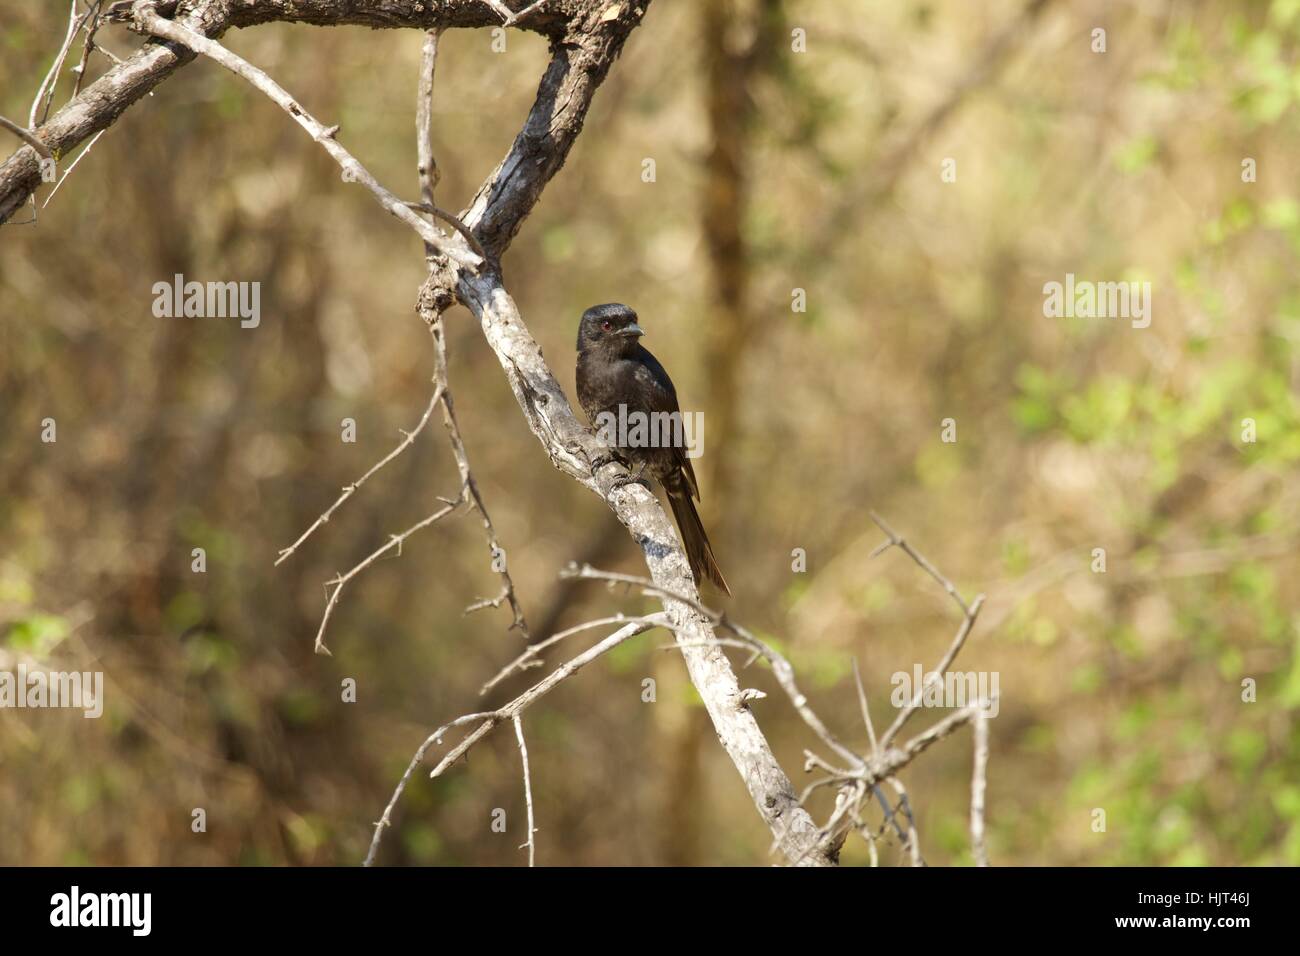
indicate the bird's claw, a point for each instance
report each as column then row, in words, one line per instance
column 635, row 479
column 600, row 461
column 624, row 480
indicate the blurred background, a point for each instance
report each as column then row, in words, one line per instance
column 775, row 171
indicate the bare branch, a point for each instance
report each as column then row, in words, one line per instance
column 41, row 105
column 427, row 170
column 394, row 541
column 586, row 36
column 430, row 311
column 531, row 657
column 89, row 25
column 525, row 12
column 528, row 790
column 866, row 711
column 978, row 784
column 454, row 221
column 577, row 68
column 502, row 10
column 920, row 559
column 27, row 136
column 969, row 613
column 71, row 166
column 490, row 719
column 147, row 18
column 913, row 844
column 96, row 108
column 408, row 438
column 426, row 166
column 385, row 821
column 963, row 632
column 923, row 741
column 469, row 486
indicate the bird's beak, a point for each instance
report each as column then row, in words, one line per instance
column 632, row 329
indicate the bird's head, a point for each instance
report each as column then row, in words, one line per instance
column 610, row 326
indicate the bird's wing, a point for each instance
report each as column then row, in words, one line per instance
column 661, row 396
column 691, row 483
column 653, row 382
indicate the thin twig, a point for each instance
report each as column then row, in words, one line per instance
column 963, row 632
column 860, row 775
column 899, row 542
column 452, row 220
column 502, row 10
column 522, row 14
column 866, row 711
column 531, row 656
column 469, row 485
column 566, row 670
column 969, row 613
column 385, row 821
column 978, row 784
column 428, row 174
column 924, row 740
column 89, row 25
column 28, row 137
column 408, row 438
column 528, row 790
column 426, row 166
column 71, row 166
column 913, row 835
column 394, row 541
column 147, row 18
column 46, row 91
column 491, row 719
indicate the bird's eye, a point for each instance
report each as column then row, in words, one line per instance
column 607, row 325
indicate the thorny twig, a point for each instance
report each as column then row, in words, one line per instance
column 489, row 720
column 427, row 170
column 408, row 438
column 531, row 843
column 469, row 486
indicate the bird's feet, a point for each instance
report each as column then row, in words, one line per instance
column 600, row 461
column 615, row 458
column 636, row 479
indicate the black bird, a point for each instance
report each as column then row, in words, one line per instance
column 618, row 377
